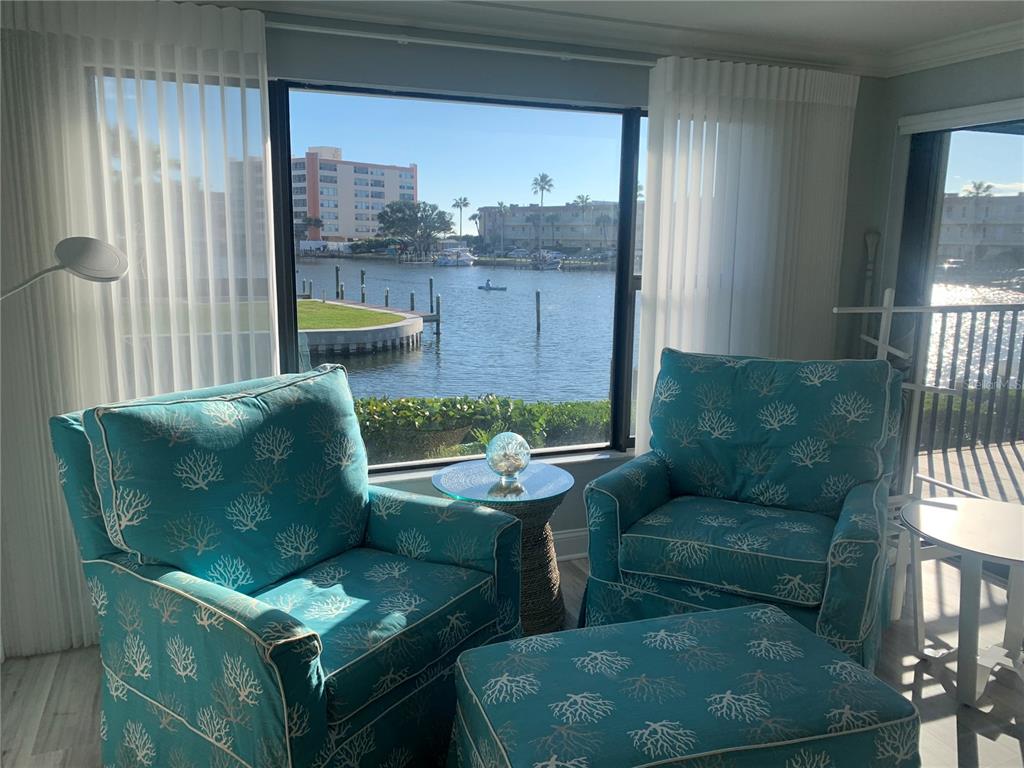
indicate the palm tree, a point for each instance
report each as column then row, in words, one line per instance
column 460, row 203
column 604, row 221
column 503, row 210
column 977, row 189
column 583, row 203
column 551, row 219
column 475, row 218
column 542, row 183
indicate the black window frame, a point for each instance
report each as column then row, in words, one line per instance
column 627, row 284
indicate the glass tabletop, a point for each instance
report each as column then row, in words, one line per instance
column 474, row 481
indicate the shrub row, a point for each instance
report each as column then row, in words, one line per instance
column 409, row 428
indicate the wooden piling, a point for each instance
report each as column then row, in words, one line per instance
column 437, row 315
column 430, row 290
column 337, row 281
column 412, row 301
column 537, row 299
column 362, row 293
column 387, row 297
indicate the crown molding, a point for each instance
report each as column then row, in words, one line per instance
column 977, row 44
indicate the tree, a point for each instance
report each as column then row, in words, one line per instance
column 977, row 189
column 583, row 203
column 460, row 203
column 535, row 220
column 551, row 220
column 415, row 225
column 542, row 183
column 603, row 222
column 475, row 218
column 503, row 210
column 301, row 230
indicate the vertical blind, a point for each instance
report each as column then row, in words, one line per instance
column 145, row 125
column 746, row 191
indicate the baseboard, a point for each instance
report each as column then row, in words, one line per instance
column 571, row 544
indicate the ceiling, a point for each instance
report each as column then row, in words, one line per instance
column 871, row 37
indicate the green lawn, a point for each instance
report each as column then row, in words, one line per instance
column 316, row 315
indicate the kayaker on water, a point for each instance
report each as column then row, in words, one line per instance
column 488, row 283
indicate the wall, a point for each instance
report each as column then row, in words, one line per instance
column 879, row 156
column 324, row 58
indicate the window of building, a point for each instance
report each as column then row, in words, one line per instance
column 363, row 217
column 377, row 195
column 405, row 175
column 407, row 196
column 377, row 183
column 360, row 169
column 328, row 191
column 328, row 203
column 328, row 215
column 299, row 202
column 298, row 190
column 362, row 193
column 328, row 179
column 327, row 166
column 361, row 182
column 298, row 165
column 298, row 178
column 362, row 229
column 376, row 206
column 362, row 206
column 406, row 186
column 376, row 171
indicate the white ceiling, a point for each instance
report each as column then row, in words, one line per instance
column 873, row 37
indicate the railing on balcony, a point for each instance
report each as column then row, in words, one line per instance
column 977, row 354
column 963, row 409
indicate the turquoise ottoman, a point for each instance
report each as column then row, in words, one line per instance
column 738, row 688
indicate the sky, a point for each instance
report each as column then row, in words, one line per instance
column 997, row 158
column 486, row 153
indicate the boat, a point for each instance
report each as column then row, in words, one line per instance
column 457, row 257
column 546, row 261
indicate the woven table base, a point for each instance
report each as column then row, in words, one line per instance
column 542, row 609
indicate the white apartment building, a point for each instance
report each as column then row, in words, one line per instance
column 346, row 195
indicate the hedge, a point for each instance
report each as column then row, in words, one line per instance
column 410, row 428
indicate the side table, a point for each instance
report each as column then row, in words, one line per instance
column 533, row 499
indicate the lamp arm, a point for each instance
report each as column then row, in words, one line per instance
column 27, row 283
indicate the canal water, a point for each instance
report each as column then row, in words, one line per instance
column 488, row 342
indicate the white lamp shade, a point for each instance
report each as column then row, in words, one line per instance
column 91, row 259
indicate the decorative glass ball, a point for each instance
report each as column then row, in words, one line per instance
column 508, row 454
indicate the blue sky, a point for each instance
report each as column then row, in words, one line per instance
column 484, row 152
column 997, row 158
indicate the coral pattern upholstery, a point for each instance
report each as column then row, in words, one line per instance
column 740, row 688
column 259, row 603
column 767, row 481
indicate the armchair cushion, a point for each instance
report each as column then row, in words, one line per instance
column 383, row 620
column 237, row 488
column 784, row 433
column 760, row 552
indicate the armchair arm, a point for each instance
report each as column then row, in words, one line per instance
column 856, row 566
column 238, row 672
column 451, row 533
column 618, row 499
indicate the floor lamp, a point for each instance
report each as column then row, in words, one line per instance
column 84, row 257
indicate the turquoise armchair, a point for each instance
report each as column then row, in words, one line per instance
column 259, row 603
column 767, row 482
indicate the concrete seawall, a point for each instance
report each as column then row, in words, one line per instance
column 402, row 335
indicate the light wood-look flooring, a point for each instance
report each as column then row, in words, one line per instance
column 50, row 704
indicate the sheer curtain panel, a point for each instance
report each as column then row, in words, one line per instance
column 145, row 125
column 746, row 191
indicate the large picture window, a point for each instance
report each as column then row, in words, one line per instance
column 478, row 292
